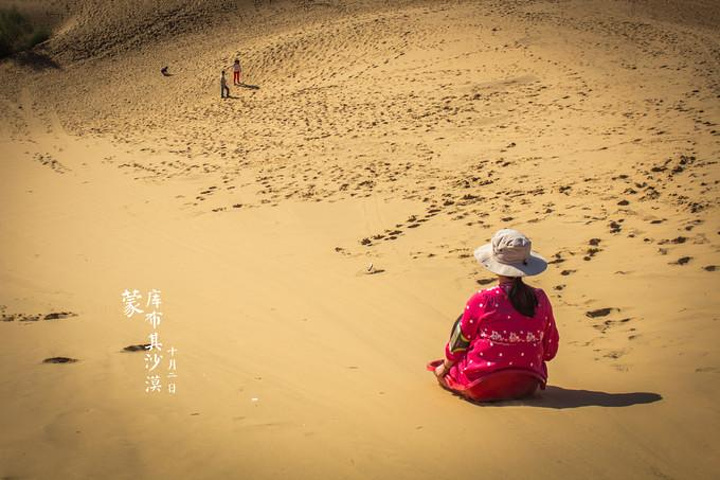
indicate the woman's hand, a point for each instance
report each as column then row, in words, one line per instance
column 442, row 369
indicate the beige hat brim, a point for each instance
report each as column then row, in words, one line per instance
column 534, row 265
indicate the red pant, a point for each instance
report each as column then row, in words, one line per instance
column 236, row 77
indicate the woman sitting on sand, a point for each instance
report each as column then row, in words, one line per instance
column 508, row 328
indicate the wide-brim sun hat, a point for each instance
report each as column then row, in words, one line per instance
column 510, row 254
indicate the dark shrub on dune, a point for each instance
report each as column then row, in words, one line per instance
column 17, row 33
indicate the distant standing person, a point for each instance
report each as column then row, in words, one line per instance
column 224, row 90
column 236, row 72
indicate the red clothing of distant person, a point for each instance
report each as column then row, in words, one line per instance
column 492, row 335
column 236, row 73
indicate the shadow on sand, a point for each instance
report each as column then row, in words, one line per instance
column 36, row 61
column 559, row 398
column 245, row 85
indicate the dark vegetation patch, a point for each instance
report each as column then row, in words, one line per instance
column 17, row 33
column 60, row 360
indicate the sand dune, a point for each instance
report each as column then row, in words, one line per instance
column 312, row 238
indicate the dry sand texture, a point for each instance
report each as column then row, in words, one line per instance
column 397, row 134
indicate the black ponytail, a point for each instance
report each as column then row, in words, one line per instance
column 523, row 297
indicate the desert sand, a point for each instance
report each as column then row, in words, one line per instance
column 313, row 238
